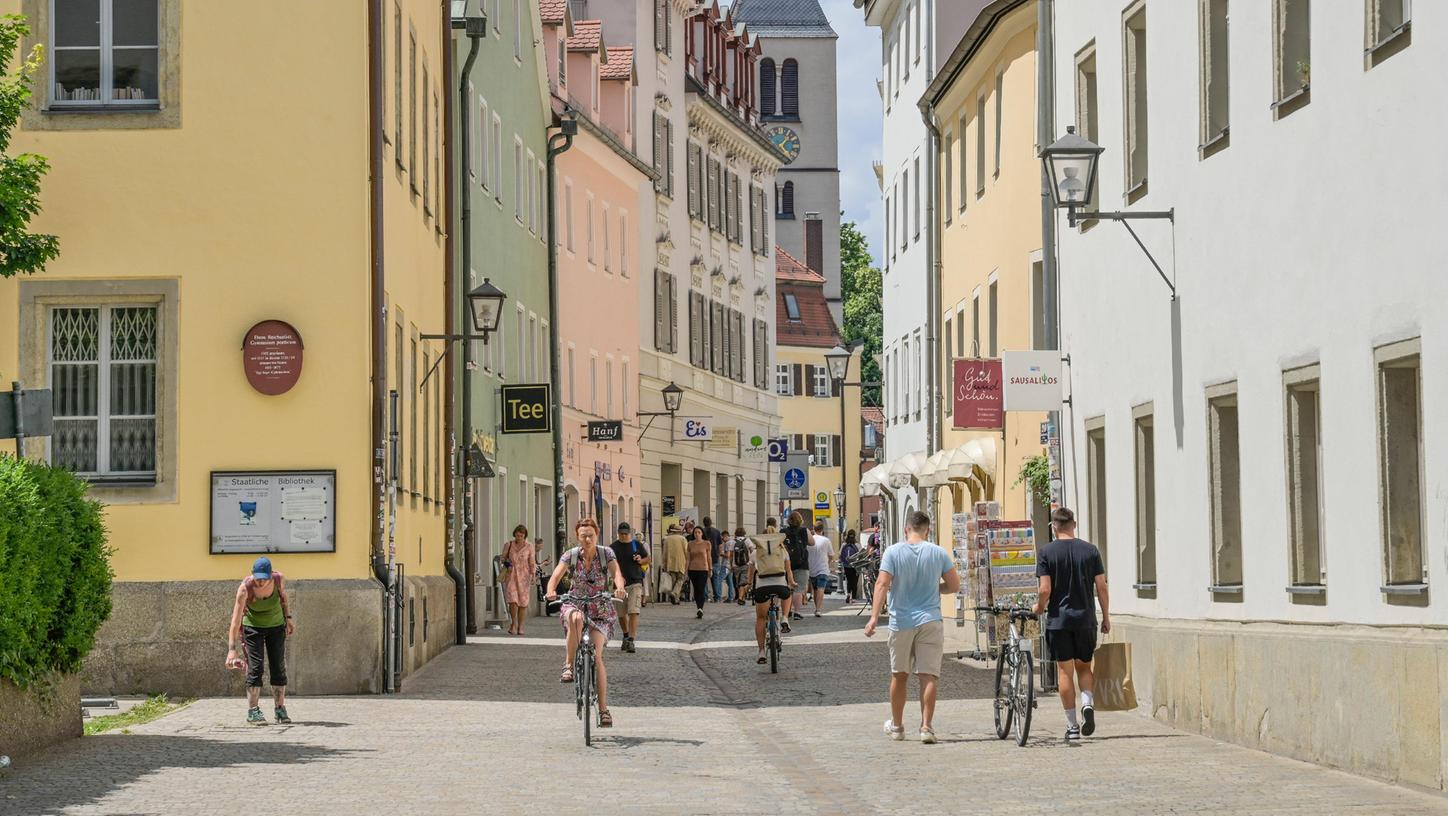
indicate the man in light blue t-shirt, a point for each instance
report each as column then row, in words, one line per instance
column 914, row 573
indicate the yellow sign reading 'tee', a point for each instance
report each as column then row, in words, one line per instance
column 526, row 409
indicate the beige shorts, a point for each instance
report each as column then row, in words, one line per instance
column 633, row 599
column 919, row 650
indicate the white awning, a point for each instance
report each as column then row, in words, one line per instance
column 904, row 471
column 935, row 471
column 873, row 483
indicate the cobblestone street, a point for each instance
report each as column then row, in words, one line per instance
column 700, row 729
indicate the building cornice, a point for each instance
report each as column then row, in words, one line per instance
column 711, row 117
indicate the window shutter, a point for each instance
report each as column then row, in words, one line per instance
column 789, row 78
column 668, row 30
column 661, row 289
column 836, row 451
column 766, row 87
column 719, row 338
column 797, row 444
column 738, row 211
column 669, row 157
column 661, row 25
column 696, row 329
column 798, row 380
column 673, row 314
column 761, row 353
column 713, row 204
column 658, row 152
column 834, row 388
column 736, row 369
column 727, row 352
column 693, row 180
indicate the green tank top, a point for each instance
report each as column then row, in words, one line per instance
column 262, row 613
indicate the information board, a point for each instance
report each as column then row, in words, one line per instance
column 276, row 511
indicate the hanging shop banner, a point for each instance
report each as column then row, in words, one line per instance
column 1032, row 380
column 755, row 448
column 526, row 408
column 697, row 429
column 976, row 395
column 608, row 430
column 280, row 511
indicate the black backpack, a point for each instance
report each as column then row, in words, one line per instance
column 796, row 543
column 741, row 553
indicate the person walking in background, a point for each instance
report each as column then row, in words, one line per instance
column 797, row 541
column 739, row 562
column 716, row 544
column 848, row 551
column 261, row 620
column 650, row 573
column 724, row 567
column 700, row 553
column 1072, row 575
column 676, row 564
column 632, row 559
column 821, row 564
column 914, row 574
column 520, row 567
column 771, row 526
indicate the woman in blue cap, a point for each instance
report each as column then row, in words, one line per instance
column 262, row 619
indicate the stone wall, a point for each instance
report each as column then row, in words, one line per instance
column 28, row 724
column 1369, row 700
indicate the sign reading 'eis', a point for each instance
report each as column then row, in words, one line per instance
column 526, row 408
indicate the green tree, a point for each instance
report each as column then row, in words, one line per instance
column 863, row 293
column 21, row 251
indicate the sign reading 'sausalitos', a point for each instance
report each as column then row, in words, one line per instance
column 526, row 408
column 977, row 395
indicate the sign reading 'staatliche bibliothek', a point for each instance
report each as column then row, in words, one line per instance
column 274, row 511
column 1032, row 380
column 271, row 355
column 526, row 409
column 976, row 395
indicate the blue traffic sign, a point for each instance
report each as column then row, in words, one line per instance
column 794, row 478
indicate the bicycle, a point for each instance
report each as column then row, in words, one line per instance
column 868, row 567
column 771, row 635
column 1015, row 693
column 585, row 682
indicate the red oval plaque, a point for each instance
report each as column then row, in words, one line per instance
column 271, row 354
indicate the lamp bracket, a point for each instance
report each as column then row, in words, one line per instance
column 1125, row 218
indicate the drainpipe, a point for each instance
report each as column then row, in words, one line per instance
column 466, row 583
column 558, row 142
column 376, row 301
column 1045, row 135
column 933, row 265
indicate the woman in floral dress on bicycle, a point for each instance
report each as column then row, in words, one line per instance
column 591, row 567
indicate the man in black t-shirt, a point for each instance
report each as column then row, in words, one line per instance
column 632, row 556
column 1072, row 576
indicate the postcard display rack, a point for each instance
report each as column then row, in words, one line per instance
column 997, row 560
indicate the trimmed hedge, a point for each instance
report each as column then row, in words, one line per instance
column 55, row 572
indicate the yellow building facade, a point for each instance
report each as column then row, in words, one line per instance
column 199, row 188
column 988, row 214
column 810, row 402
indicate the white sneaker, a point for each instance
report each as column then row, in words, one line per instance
column 894, row 731
column 927, row 736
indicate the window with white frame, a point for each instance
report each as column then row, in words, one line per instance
column 568, row 215
column 593, row 384
column 572, row 382
column 518, row 179
column 623, row 242
column 495, row 177
column 608, row 387
column 540, row 203
column 1134, row 79
column 518, row 29
column 999, row 117
column 1400, row 463
column 1389, row 21
column 607, row 255
column 783, row 382
column 946, row 176
column 533, row 193
column 105, row 53
column 1304, row 475
column 822, row 450
column 821, row 385
column 588, row 225
column 626, row 385
column 1213, row 71
column 532, row 355
column 522, row 334
column 980, row 145
column 102, row 363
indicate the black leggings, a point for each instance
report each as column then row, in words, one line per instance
column 699, row 581
column 852, row 580
column 272, row 640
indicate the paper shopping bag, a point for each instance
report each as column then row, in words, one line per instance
column 1112, row 667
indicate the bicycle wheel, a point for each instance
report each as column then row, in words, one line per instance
column 585, row 677
column 772, row 638
column 1002, row 695
column 577, row 683
column 1023, row 698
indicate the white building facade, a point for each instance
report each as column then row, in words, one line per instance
column 1254, row 457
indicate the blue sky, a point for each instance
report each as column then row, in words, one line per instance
column 858, row 66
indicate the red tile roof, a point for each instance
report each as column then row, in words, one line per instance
column 587, row 35
column 872, row 414
column 789, row 268
column 619, row 65
column 552, row 11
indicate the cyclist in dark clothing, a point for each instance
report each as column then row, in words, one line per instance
column 1072, row 576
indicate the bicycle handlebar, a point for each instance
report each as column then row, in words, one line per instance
column 1016, row 612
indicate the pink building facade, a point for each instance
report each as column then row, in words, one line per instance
column 600, row 198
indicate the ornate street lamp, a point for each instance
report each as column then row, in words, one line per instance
column 673, row 398
column 486, row 305
column 838, row 361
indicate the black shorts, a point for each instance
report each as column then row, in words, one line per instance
column 762, row 594
column 1070, row 644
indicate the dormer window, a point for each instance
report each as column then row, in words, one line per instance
column 791, row 307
